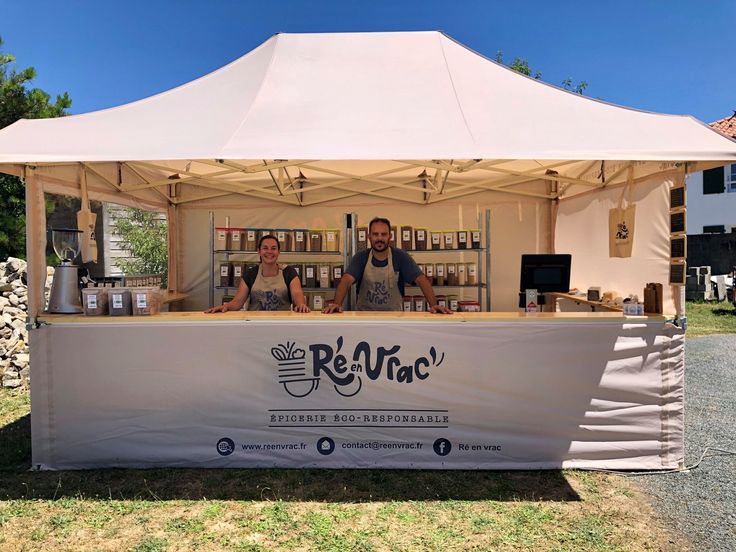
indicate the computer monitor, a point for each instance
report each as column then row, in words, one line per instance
column 545, row 273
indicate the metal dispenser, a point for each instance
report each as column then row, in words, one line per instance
column 65, row 295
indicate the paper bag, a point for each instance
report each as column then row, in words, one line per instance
column 86, row 220
column 621, row 221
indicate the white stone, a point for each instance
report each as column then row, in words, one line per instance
column 14, row 300
column 4, row 302
column 18, row 323
column 15, row 265
column 12, row 382
column 12, row 311
column 8, row 319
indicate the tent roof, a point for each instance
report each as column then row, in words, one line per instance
column 411, row 96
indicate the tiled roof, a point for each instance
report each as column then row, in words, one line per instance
column 726, row 125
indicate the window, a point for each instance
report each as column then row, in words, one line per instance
column 731, row 179
column 713, row 181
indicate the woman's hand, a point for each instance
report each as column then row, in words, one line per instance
column 300, row 308
column 218, row 308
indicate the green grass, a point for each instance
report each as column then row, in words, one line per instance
column 324, row 510
column 710, row 318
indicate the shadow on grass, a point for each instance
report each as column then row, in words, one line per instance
column 724, row 312
column 17, row 482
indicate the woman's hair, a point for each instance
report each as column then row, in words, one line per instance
column 270, row 237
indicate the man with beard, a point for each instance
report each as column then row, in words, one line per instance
column 382, row 272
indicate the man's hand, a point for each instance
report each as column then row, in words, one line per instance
column 219, row 308
column 439, row 309
column 301, row 308
column 332, row 307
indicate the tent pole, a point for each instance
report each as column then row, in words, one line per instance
column 35, row 244
column 172, row 222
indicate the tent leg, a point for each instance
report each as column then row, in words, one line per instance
column 35, row 245
column 173, row 247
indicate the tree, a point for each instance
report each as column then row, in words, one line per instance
column 19, row 101
column 144, row 235
column 521, row 65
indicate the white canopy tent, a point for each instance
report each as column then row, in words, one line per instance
column 328, row 120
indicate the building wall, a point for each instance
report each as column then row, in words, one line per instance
column 709, row 209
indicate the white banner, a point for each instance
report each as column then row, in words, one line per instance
column 331, row 394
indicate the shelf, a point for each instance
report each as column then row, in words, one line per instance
column 468, row 286
column 239, row 252
column 480, row 250
column 303, row 288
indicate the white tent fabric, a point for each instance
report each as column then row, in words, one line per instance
column 417, row 95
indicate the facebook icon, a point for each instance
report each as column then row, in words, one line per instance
column 442, row 447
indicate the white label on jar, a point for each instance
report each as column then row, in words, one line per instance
column 310, row 272
column 236, row 236
column 393, row 236
column 318, row 302
column 117, row 300
column 91, row 301
column 224, row 270
column 407, row 306
column 281, row 236
column 362, row 235
column 429, row 270
column 407, row 235
column 448, row 239
column 338, row 272
column 419, row 304
column 420, row 235
column 463, row 237
column 476, row 237
column 330, row 236
column 451, row 269
column 472, row 270
column 221, row 235
column 453, row 304
column 140, row 300
column 435, row 238
column 440, row 270
column 251, row 235
column 324, row 271
column 461, row 269
column 238, row 270
column 442, row 302
column 300, row 236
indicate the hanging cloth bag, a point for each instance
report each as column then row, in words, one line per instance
column 621, row 222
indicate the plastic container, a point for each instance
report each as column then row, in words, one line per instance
column 221, row 242
column 324, row 276
column 318, row 301
column 282, row 236
column 436, row 239
column 462, row 274
column 463, row 239
column 145, row 301
column 442, row 300
column 451, row 274
column 119, row 302
column 226, row 274
column 332, row 240
column 237, row 273
column 418, row 303
column 310, row 276
column 439, row 274
column 468, row 306
column 336, row 274
column 472, row 276
column 407, row 235
column 420, row 239
column 452, row 302
column 235, row 239
column 94, row 301
column 449, row 239
column 251, row 239
column 429, row 272
column 315, row 240
column 362, row 238
column 475, row 238
column 408, row 303
column 300, row 240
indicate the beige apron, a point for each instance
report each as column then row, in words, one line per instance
column 379, row 287
column 269, row 293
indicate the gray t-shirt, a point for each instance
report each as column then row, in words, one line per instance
column 404, row 266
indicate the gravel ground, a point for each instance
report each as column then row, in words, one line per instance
column 701, row 503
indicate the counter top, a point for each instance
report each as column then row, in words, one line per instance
column 350, row 317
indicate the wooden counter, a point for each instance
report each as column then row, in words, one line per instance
column 349, row 317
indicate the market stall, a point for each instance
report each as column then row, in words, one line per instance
column 413, row 126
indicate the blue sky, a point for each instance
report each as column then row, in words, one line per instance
column 668, row 56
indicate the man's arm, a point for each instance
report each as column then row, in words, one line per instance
column 426, row 287
column 342, row 290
